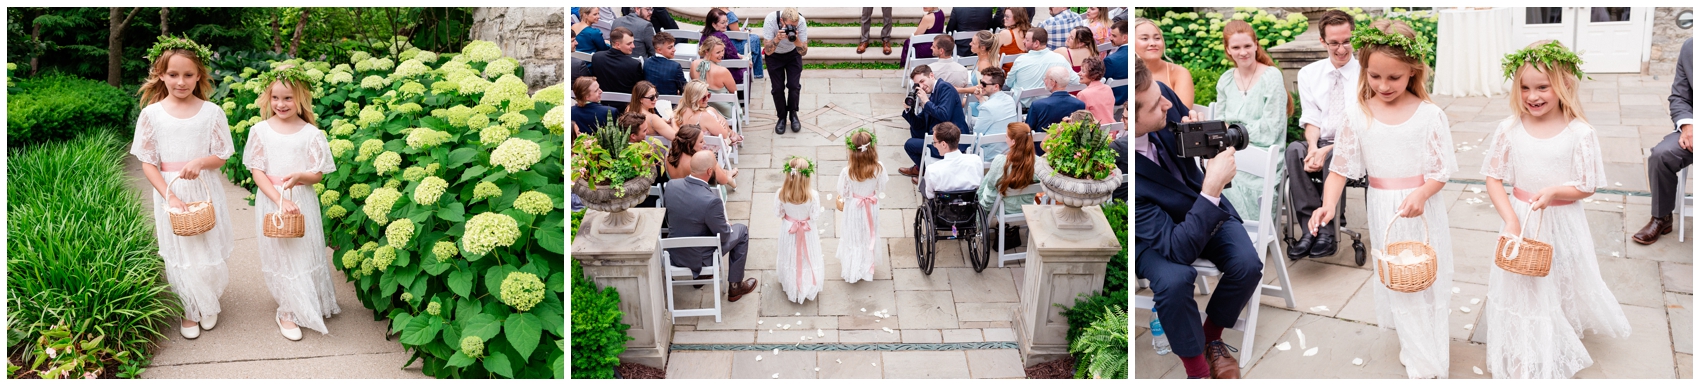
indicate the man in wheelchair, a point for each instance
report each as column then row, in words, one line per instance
column 952, row 206
column 1180, row 218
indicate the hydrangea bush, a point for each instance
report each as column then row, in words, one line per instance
column 1194, row 40
column 452, row 230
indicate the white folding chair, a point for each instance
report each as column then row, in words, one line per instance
column 1006, row 220
column 744, row 87
column 674, row 273
column 983, row 140
column 1114, row 127
column 660, row 193
column 736, row 123
column 616, row 97
column 717, row 144
column 909, row 58
column 1007, row 59
column 969, row 62
column 585, row 56
column 1113, row 83
column 1684, row 203
column 1105, row 47
column 684, row 34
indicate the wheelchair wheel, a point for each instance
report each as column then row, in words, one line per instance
column 925, row 239
column 988, row 242
column 978, row 257
column 1358, row 252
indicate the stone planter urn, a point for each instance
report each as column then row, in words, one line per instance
column 603, row 198
column 1074, row 193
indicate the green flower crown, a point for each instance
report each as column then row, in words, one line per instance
column 807, row 172
column 288, row 74
column 1371, row 36
column 1551, row 55
column 850, row 140
column 167, row 43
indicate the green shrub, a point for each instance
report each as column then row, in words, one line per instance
column 1195, row 40
column 81, row 256
column 1425, row 23
column 1115, row 275
column 56, row 107
column 1102, row 347
column 451, row 226
column 1204, row 84
column 598, row 335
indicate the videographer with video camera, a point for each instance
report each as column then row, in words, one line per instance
column 1180, row 217
column 785, row 39
column 930, row 101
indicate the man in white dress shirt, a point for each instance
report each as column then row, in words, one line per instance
column 1325, row 88
column 958, row 170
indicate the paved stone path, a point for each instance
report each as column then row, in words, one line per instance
column 1653, row 283
column 954, row 304
column 246, row 343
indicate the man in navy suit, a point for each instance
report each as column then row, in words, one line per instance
column 1052, row 109
column 937, row 101
column 660, row 70
column 1180, row 217
column 1116, row 64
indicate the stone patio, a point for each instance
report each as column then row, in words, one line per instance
column 952, row 305
column 1653, row 283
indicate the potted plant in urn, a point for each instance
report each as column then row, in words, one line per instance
column 1079, row 169
column 612, row 174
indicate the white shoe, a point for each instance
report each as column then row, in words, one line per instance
column 288, row 333
column 209, row 321
column 190, row 332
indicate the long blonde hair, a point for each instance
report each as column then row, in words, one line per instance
column 864, row 164
column 1564, row 83
column 798, row 187
column 303, row 99
column 154, row 90
column 1419, row 69
column 693, row 92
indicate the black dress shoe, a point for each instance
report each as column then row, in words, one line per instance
column 1014, row 237
column 779, row 128
column 796, row 126
column 1325, row 246
column 1301, row 248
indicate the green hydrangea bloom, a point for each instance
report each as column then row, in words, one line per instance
column 409, row 54
column 433, row 308
column 249, row 71
column 458, row 115
column 369, row 246
column 410, row 68
column 473, row 85
column 370, row 115
column 432, row 168
column 350, row 259
column 481, row 51
column 521, row 103
column 369, row 148
column 412, row 173
column 367, row 266
column 426, row 57
column 330, row 197
column 556, row 120
column 522, row 290
column 378, row 206
column 485, row 109
column 492, row 135
column 318, row 188
column 472, row 346
column 399, row 232
column 488, row 230
column 445, row 87
column 357, row 56
column 364, row 65
column 407, row 296
column 315, row 74
column 534, row 202
column 382, row 64
column 340, row 146
column 228, row 107
column 513, row 120
column 359, row 191
column 411, row 87
column 500, row 67
column 350, row 108
column 409, row 107
column 444, row 250
column 484, row 190
column 339, row 77
column 392, row 184
column 374, row 82
column 387, row 163
column 423, row 138
column 342, row 129
column 477, row 121
column 429, row 190
column 554, row 94
column 335, row 212
column 516, row 154
column 383, row 257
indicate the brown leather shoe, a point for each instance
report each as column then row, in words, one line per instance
column 888, row 47
column 1222, row 364
column 860, row 48
column 1650, row 234
column 740, row 289
column 909, row 171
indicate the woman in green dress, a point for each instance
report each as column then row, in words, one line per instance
column 1252, row 95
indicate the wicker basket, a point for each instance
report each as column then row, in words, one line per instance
column 196, row 220
column 1411, row 277
column 280, row 225
column 1524, row 255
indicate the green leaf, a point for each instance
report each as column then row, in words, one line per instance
column 550, row 312
column 399, row 322
column 461, row 360
column 524, row 332
column 481, row 325
column 471, row 173
column 493, row 278
column 553, row 239
column 420, row 331
column 460, row 281
column 497, row 363
column 532, row 179
column 461, row 156
column 386, row 283
column 454, row 211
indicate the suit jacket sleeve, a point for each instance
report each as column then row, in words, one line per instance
column 717, row 216
column 943, row 98
column 1682, row 85
column 1179, row 243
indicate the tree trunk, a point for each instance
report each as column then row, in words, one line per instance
column 277, row 39
column 36, row 48
column 115, row 45
column 164, row 25
column 300, row 25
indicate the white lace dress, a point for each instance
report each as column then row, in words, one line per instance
column 296, row 270
column 800, row 267
column 1534, row 325
column 1420, row 146
column 858, row 232
column 194, row 265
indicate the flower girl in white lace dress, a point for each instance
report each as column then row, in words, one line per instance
column 181, row 136
column 860, row 188
column 1551, row 156
column 288, row 155
column 800, row 271
column 1403, row 143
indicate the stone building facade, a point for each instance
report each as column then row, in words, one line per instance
column 1667, row 40
column 534, row 36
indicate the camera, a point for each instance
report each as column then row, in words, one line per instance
column 909, row 100
column 1205, row 139
column 790, row 32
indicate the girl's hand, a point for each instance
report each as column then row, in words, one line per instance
column 1322, row 215
column 1512, row 228
column 1542, row 198
column 191, row 171
column 287, row 206
column 1412, row 206
column 176, row 203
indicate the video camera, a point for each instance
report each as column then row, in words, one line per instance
column 1205, row 139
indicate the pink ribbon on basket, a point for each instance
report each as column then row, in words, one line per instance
column 802, row 229
column 868, row 207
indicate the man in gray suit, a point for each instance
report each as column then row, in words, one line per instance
column 694, row 209
column 642, row 31
column 1675, row 152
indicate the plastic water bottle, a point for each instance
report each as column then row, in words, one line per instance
column 1158, row 340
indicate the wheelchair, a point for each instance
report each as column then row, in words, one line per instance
column 954, row 215
column 1296, row 225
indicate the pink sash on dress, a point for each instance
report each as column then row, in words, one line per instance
column 868, row 207
column 801, row 229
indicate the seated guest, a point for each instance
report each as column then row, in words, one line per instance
column 616, row 69
column 660, row 70
column 644, row 96
column 714, row 28
column 947, row 69
column 1115, row 64
column 1079, row 48
column 719, row 79
column 688, row 142
column 1098, row 20
column 588, row 112
column 580, row 68
column 694, row 109
column 1062, row 21
column 1052, row 109
column 969, row 19
column 1018, row 24
column 995, row 111
column 984, row 47
column 932, row 22
column 589, row 39
column 1031, row 68
column 936, row 102
column 637, row 24
column 958, row 170
column 1099, row 99
column 695, row 209
column 1010, row 172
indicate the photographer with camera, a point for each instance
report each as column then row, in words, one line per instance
column 930, row 101
column 785, row 39
column 1180, row 217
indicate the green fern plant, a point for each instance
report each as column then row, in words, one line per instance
column 1102, row 347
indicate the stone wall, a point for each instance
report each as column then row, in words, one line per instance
column 1667, row 40
column 534, row 36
